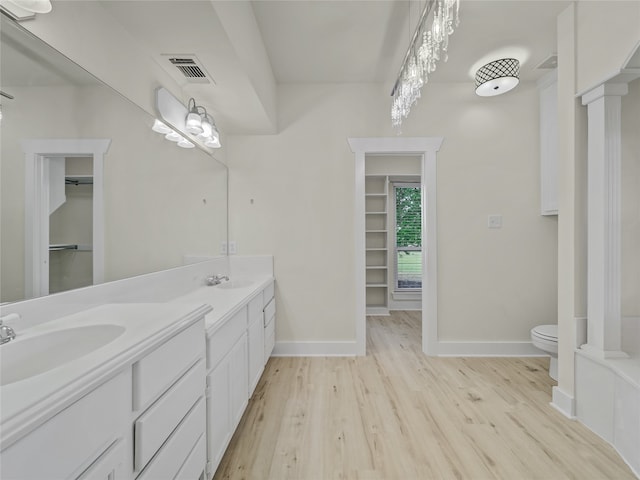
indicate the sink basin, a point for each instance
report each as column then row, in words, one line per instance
column 235, row 284
column 31, row 356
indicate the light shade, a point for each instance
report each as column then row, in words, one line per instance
column 160, row 127
column 173, row 136
column 193, row 123
column 33, row 6
column 184, row 143
column 497, row 77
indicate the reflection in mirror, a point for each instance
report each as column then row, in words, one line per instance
column 147, row 206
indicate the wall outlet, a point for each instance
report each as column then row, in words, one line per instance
column 233, row 248
column 223, row 248
column 495, row 221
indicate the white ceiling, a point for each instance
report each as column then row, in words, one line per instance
column 365, row 41
column 322, row 41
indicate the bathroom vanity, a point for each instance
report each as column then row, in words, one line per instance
column 135, row 390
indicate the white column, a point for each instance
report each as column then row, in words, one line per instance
column 604, row 229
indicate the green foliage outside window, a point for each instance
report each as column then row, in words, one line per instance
column 408, row 220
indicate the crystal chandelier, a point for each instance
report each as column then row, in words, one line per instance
column 428, row 45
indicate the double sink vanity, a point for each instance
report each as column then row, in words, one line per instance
column 136, row 390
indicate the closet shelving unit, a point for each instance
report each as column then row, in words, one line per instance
column 377, row 252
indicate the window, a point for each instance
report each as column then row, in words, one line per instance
column 408, row 233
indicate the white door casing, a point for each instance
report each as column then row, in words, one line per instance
column 36, row 190
column 427, row 148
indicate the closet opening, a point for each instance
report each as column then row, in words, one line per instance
column 379, row 163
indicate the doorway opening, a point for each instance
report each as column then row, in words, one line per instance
column 46, row 182
column 425, row 149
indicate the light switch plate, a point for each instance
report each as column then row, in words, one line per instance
column 495, row 221
column 233, row 248
column 223, row 248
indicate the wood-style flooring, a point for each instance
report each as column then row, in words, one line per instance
column 398, row 414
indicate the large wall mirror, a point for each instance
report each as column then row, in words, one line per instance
column 89, row 193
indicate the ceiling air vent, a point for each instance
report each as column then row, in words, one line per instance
column 189, row 68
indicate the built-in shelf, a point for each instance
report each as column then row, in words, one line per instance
column 376, row 206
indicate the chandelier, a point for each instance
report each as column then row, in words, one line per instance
column 429, row 44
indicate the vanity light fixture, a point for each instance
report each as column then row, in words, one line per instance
column 184, row 143
column 173, row 136
column 191, row 123
column 497, row 77
column 31, row 6
column 160, row 127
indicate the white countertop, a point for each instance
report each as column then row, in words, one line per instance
column 225, row 302
column 25, row 404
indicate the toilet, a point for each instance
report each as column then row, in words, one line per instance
column 545, row 338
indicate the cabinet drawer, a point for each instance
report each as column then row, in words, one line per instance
column 179, row 449
column 268, row 293
column 154, row 373
column 269, row 311
column 74, row 439
column 269, row 339
column 196, row 461
column 255, row 309
column 219, row 344
column 157, row 423
column 108, row 466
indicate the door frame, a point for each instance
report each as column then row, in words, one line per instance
column 36, row 213
column 426, row 148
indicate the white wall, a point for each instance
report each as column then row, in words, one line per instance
column 30, row 106
column 606, row 34
column 630, row 284
column 493, row 284
column 161, row 202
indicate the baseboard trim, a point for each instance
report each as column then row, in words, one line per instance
column 315, row 349
column 378, row 311
column 563, row 402
column 487, row 349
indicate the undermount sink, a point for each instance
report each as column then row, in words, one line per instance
column 31, row 356
column 235, row 284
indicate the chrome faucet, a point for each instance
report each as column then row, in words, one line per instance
column 215, row 279
column 6, row 332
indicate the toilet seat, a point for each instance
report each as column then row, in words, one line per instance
column 545, row 338
column 546, row 332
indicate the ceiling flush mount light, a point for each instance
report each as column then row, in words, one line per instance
column 497, row 77
column 429, row 44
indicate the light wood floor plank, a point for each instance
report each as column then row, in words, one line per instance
column 398, row 414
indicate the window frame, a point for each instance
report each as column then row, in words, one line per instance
column 393, row 234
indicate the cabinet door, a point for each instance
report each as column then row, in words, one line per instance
column 238, row 377
column 218, row 412
column 256, row 352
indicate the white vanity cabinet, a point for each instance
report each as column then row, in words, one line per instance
column 227, row 393
column 85, row 440
column 235, row 361
column 143, row 418
column 169, row 406
column 256, row 342
column 269, row 320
